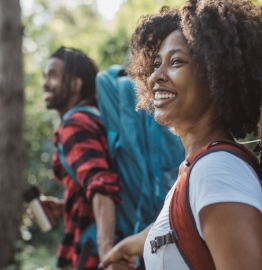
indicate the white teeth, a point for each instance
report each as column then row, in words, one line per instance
column 162, row 96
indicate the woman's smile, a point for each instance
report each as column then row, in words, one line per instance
column 161, row 98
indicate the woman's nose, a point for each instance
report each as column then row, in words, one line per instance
column 158, row 74
column 156, row 77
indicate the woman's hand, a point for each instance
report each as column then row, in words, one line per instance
column 127, row 249
column 117, row 254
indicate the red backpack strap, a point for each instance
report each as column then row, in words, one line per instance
column 191, row 246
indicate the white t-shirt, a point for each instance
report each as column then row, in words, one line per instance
column 217, row 177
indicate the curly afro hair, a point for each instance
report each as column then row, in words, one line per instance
column 226, row 38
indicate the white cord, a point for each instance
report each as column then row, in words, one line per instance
column 248, row 142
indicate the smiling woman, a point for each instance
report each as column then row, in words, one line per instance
column 224, row 46
column 200, row 71
column 173, row 78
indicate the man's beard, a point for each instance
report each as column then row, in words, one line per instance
column 58, row 100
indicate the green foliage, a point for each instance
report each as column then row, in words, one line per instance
column 257, row 2
column 39, row 258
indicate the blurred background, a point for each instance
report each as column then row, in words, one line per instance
column 101, row 28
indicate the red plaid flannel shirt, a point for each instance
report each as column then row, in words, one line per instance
column 83, row 138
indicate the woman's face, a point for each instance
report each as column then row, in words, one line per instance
column 180, row 99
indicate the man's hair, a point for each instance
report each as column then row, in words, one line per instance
column 78, row 65
column 225, row 39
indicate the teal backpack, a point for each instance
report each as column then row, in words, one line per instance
column 145, row 155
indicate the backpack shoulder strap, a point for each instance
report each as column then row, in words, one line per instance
column 69, row 169
column 191, row 246
column 230, row 147
column 114, row 70
column 87, row 109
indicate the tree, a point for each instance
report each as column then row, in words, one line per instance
column 11, row 126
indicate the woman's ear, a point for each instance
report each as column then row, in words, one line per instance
column 77, row 85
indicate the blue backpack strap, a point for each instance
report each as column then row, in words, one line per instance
column 90, row 233
column 114, row 70
column 87, row 109
column 69, row 170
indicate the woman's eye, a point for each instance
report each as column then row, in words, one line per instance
column 157, row 65
column 176, row 61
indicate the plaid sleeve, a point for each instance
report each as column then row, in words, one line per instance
column 85, row 151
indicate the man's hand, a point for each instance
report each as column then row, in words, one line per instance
column 55, row 206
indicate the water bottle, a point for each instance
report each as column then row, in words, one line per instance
column 41, row 213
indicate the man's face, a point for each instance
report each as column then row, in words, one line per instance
column 55, row 95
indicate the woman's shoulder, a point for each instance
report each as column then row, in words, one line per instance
column 224, row 177
column 222, row 163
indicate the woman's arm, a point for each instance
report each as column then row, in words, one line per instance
column 132, row 245
column 233, row 234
